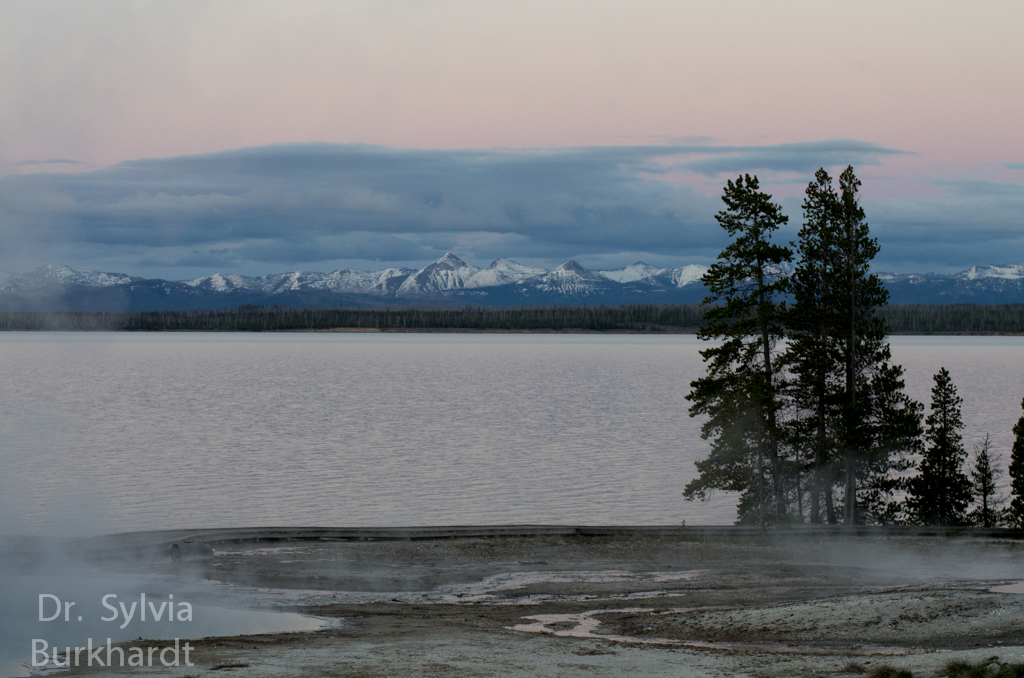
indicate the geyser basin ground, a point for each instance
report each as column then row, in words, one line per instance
column 615, row 605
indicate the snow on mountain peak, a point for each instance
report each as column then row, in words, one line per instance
column 502, row 272
column 447, row 273
column 571, row 279
column 1007, row 272
column 572, row 269
column 504, row 281
column 451, row 261
column 57, row 274
column 222, row 282
column 630, row 273
column 686, row 275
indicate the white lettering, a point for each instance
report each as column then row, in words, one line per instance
column 114, row 649
column 37, row 651
column 56, row 657
column 158, row 616
column 95, row 654
column 109, row 607
column 184, row 611
column 170, row 649
column 129, row 614
column 54, row 599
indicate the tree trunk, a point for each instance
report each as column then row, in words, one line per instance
column 819, row 452
column 773, row 444
column 850, row 503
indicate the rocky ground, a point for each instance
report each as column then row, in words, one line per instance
column 643, row 606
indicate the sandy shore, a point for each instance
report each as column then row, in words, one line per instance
column 619, row 605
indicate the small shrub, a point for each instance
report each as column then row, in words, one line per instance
column 986, row 668
column 888, row 671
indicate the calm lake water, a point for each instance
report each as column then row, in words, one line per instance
column 108, row 432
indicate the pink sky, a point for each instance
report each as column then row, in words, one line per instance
column 101, row 82
column 923, row 96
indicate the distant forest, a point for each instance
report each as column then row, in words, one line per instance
column 908, row 319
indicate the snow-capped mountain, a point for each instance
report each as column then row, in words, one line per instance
column 55, row 275
column 1003, row 284
column 1003, row 272
column 444, row 275
column 502, row 272
column 448, row 281
column 569, row 279
column 680, row 277
column 385, row 281
column 630, row 273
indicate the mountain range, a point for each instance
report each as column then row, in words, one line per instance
column 446, row 282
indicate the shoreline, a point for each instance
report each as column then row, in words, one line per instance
column 376, row 330
column 535, row 600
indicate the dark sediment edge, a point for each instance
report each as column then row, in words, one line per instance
column 202, row 540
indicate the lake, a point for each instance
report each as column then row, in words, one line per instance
column 107, row 432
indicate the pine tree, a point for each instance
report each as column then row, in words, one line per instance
column 984, row 481
column 863, row 345
column 1016, row 512
column 739, row 393
column 890, row 430
column 813, row 354
column 852, row 420
column 941, row 492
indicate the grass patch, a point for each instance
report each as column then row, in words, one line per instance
column 888, row 671
column 853, row 667
column 986, row 668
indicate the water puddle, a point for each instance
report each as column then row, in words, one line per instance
column 1016, row 587
column 498, row 589
column 585, row 625
column 494, row 589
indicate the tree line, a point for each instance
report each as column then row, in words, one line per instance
column 804, row 409
column 631, row 318
column 910, row 319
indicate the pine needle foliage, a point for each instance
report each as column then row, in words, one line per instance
column 941, row 492
column 740, row 391
column 814, row 351
column 985, row 484
column 1016, row 512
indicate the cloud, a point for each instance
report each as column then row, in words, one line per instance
column 52, row 161
column 800, row 157
column 1014, row 165
column 303, row 205
column 969, row 222
column 320, row 206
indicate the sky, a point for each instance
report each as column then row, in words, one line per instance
column 182, row 139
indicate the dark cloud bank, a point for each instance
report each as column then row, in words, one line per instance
column 323, row 206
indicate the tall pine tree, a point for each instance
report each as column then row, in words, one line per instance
column 852, row 420
column 1016, row 512
column 863, row 346
column 740, row 392
column 984, row 481
column 813, row 352
column 941, row 492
